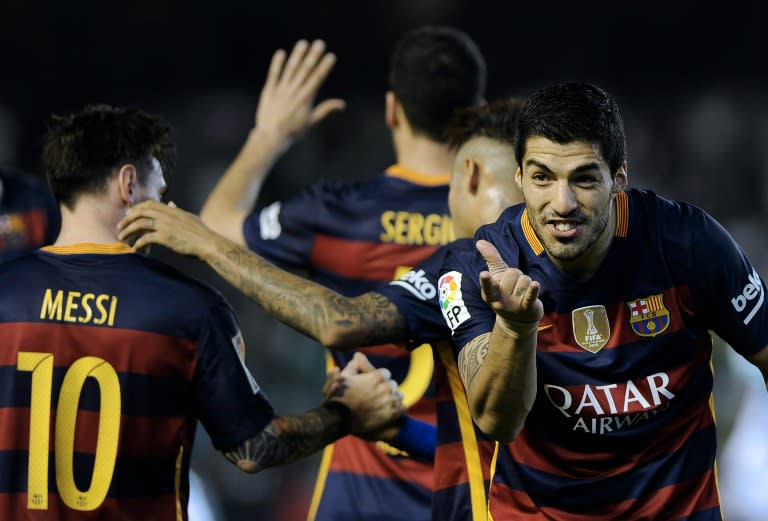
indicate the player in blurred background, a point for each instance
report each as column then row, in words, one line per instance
column 353, row 237
column 29, row 216
column 110, row 358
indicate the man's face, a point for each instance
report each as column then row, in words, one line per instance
column 569, row 190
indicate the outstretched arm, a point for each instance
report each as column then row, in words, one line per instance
column 499, row 368
column 286, row 109
column 335, row 321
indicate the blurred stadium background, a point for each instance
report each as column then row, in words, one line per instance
column 691, row 81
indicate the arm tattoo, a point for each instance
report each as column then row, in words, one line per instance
column 472, row 357
column 290, row 438
column 309, row 307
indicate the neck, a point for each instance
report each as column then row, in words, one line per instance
column 421, row 154
column 90, row 221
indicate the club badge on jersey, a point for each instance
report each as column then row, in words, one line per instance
column 648, row 315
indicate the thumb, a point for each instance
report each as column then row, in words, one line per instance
column 172, row 204
column 492, row 257
column 325, row 108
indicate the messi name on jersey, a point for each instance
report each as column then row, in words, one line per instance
column 78, row 307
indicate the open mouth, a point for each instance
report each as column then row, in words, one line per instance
column 564, row 230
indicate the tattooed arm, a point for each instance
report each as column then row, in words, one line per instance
column 499, row 368
column 290, row 438
column 335, row 321
column 362, row 402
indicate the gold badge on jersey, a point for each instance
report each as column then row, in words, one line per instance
column 591, row 328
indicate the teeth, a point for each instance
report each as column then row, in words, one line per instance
column 563, row 227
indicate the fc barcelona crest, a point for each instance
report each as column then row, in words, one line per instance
column 591, row 328
column 648, row 316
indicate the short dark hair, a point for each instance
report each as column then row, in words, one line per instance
column 434, row 71
column 83, row 149
column 574, row 111
column 495, row 120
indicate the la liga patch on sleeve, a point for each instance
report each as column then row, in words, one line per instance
column 451, row 300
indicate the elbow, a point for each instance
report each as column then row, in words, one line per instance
column 501, row 424
column 338, row 340
column 501, row 429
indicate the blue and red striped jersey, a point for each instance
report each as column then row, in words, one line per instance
column 463, row 454
column 623, row 425
column 29, row 217
column 107, row 361
column 351, row 238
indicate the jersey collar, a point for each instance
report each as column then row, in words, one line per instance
column 622, row 223
column 115, row 248
column 417, row 177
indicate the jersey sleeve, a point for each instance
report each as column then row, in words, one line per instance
column 231, row 406
column 284, row 231
column 415, row 295
column 459, row 299
column 728, row 289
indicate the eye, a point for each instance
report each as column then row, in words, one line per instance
column 586, row 181
column 539, row 177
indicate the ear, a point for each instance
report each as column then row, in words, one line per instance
column 472, row 171
column 519, row 178
column 620, row 179
column 390, row 109
column 127, row 179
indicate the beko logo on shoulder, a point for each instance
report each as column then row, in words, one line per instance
column 752, row 290
column 418, row 284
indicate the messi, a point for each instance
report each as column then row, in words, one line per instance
column 78, row 307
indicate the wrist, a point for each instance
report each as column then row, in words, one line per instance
column 516, row 329
column 343, row 414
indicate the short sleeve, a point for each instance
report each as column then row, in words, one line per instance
column 231, row 406
column 415, row 295
column 727, row 288
column 283, row 232
column 459, row 299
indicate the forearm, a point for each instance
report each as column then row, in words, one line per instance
column 236, row 193
column 337, row 322
column 503, row 389
column 290, row 438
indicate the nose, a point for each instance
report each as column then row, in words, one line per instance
column 564, row 200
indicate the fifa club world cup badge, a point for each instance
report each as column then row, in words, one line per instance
column 591, row 328
column 648, row 316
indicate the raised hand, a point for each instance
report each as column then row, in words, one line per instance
column 513, row 295
column 286, row 104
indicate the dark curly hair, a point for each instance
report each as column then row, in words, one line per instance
column 82, row 150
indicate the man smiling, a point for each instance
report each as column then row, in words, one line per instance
column 582, row 328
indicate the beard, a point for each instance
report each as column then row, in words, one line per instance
column 571, row 249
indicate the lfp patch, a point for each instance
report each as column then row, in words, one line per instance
column 451, row 300
column 648, row 316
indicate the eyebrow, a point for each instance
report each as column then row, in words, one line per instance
column 579, row 169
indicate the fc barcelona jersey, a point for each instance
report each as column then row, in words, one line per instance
column 463, row 454
column 351, row 238
column 622, row 426
column 29, row 217
column 107, row 360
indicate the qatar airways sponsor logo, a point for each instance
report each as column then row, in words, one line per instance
column 753, row 290
column 600, row 409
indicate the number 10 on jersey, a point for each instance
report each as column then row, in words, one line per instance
column 41, row 367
